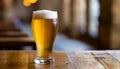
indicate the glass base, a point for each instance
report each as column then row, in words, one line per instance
column 43, row 61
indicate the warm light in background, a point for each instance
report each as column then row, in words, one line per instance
column 28, row 2
column 32, row 1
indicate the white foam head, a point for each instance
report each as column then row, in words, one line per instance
column 46, row 14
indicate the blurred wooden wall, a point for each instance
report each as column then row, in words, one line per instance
column 1, row 10
column 109, row 28
column 105, row 23
column 115, row 28
column 109, row 21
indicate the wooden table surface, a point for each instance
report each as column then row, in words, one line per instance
column 16, row 41
column 63, row 60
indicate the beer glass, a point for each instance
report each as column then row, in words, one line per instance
column 44, row 28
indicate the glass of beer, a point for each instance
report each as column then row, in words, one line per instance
column 44, row 28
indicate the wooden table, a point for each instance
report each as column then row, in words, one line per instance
column 63, row 60
column 10, row 42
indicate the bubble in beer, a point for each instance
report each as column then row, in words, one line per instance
column 32, row 1
column 47, row 14
column 26, row 3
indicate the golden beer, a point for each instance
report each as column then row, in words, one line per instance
column 44, row 28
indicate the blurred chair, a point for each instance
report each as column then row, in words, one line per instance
column 13, row 38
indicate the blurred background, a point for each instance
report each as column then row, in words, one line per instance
column 83, row 24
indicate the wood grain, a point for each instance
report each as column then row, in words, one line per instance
column 63, row 60
column 115, row 54
column 107, row 60
column 85, row 60
column 13, row 58
column 25, row 60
